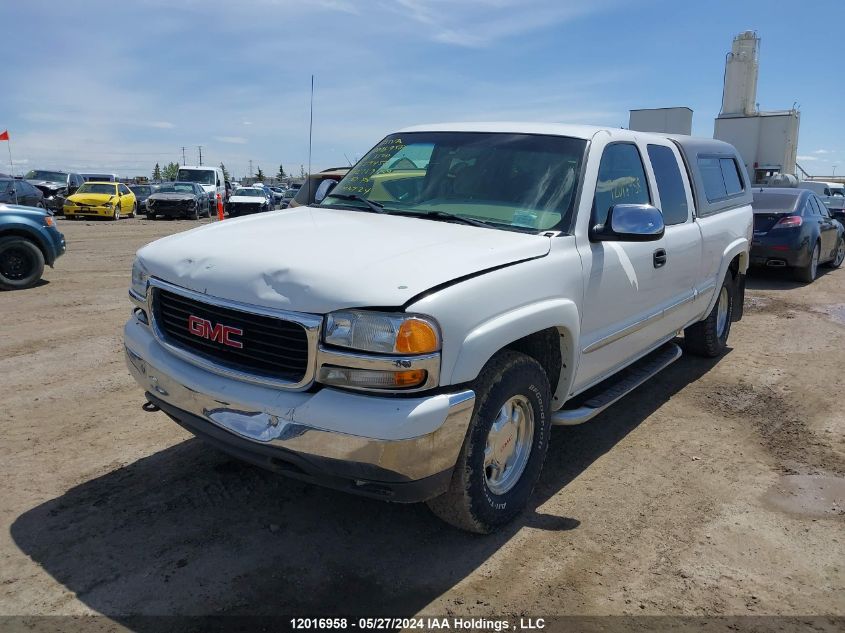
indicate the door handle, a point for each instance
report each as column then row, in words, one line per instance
column 659, row 258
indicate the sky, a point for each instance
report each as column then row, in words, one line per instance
column 117, row 86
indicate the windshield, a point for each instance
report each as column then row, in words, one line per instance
column 201, row 176
column 290, row 193
column 768, row 202
column 177, row 187
column 141, row 190
column 250, row 193
column 52, row 176
column 517, row 181
column 97, row 188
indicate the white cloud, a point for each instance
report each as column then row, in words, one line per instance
column 822, row 151
column 807, row 158
column 237, row 140
column 163, row 125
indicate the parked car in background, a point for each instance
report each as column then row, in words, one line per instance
column 111, row 200
column 278, row 194
column 142, row 192
column 245, row 200
column 271, row 198
column 16, row 191
column 179, row 200
column 211, row 179
column 287, row 198
column 55, row 185
column 99, row 177
column 29, row 239
column 316, row 186
column 793, row 228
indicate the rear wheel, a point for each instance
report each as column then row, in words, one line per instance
column 504, row 448
column 134, row 210
column 839, row 256
column 710, row 336
column 807, row 274
column 21, row 263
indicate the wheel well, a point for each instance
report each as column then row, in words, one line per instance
column 544, row 347
column 734, row 265
column 31, row 238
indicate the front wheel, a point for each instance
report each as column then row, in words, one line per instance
column 504, row 448
column 710, row 336
column 807, row 274
column 116, row 215
column 839, row 257
column 21, row 263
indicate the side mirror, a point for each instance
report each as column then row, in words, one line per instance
column 630, row 223
column 324, row 189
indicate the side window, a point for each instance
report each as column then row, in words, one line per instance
column 711, row 175
column 820, row 206
column 826, row 191
column 720, row 176
column 730, row 172
column 670, row 184
column 621, row 180
column 810, row 208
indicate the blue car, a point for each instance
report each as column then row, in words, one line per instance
column 29, row 239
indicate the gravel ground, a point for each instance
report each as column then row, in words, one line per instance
column 716, row 489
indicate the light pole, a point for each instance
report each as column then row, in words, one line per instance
column 834, row 171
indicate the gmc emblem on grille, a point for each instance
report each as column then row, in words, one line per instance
column 219, row 333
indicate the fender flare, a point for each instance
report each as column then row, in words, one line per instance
column 741, row 247
column 22, row 229
column 499, row 331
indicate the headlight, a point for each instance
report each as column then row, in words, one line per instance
column 70, row 203
column 140, row 276
column 107, row 205
column 382, row 332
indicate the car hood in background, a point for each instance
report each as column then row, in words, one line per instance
column 91, row 198
column 317, row 260
column 172, row 195
column 248, row 199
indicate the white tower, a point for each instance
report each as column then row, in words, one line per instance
column 739, row 95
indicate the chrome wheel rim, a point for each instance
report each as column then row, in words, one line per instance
column 722, row 312
column 509, row 445
column 840, row 253
column 117, row 213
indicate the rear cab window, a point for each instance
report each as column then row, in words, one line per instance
column 670, row 184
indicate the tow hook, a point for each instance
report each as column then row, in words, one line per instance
column 150, row 407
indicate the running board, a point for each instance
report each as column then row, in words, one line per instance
column 617, row 386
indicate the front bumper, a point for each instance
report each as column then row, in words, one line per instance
column 398, row 449
column 105, row 212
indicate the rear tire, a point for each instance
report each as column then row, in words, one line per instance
column 710, row 337
column 134, row 210
column 504, row 448
column 21, row 263
column 839, row 256
column 807, row 274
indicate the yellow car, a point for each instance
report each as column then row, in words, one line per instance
column 103, row 199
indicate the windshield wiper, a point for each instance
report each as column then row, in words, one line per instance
column 446, row 217
column 376, row 207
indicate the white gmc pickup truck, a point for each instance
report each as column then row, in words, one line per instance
column 414, row 335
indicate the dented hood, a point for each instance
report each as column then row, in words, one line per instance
column 318, row 260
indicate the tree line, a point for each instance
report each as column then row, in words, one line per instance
column 170, row 171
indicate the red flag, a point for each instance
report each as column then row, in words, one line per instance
column 4, row 136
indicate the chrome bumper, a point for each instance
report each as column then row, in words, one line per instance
column 406, row 438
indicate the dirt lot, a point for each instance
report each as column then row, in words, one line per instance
column 719, row 488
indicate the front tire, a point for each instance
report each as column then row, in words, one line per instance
column 116, row 215
column 504, row 449
column 710, row 337
column 807, row 274
column 21, row 263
